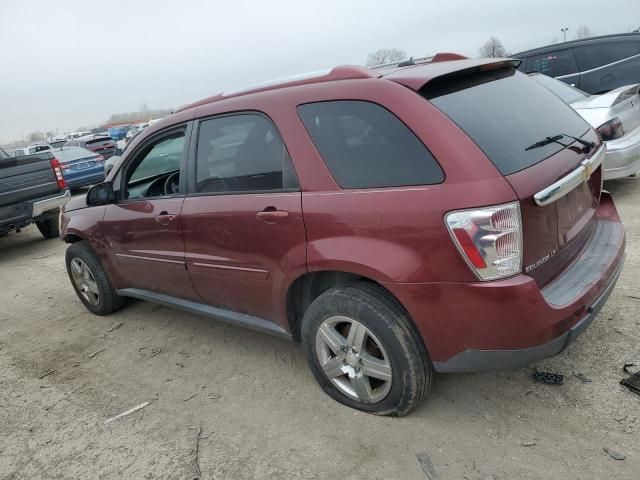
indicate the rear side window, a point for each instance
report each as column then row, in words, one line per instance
column 594, row 56
column 242, row 153
column 366, row 146
column 554, row 64
column 504, row 112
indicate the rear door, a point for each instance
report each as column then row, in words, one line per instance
column 506, row 113
column 244, row 234
column 143, row 229
column 608, row 65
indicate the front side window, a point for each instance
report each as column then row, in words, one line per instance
column 594, row 56
column 364, row 145
column 155, row 170
column 242, row 153
column 554, row 64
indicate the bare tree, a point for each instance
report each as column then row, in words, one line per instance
column 493, row 48
column 583, row 32
column 36, row 137
column 385, row 55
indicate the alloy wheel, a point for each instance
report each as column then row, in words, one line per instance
column 353, row 359
column 85, row 281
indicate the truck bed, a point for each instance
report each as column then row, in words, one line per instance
column 26, row 178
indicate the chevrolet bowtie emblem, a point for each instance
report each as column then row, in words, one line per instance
column 587, row 171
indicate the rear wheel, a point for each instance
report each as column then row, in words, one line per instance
column 90, row 281
column 49, row 227
column 364, row 352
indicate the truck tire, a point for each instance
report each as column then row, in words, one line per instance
column 49, row 227
column 90, row 281
column 364, row 351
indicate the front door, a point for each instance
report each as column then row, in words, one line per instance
column 143, row 229
column 244, row 234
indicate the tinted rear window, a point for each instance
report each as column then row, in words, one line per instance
column 504, row 112
column 553, row 64
column 366, row 146
column 593, row 56
column 73, row 153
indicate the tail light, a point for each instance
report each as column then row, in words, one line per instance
column 489, row 239
column 611, row 129
column 55, row 164
column 99, row 158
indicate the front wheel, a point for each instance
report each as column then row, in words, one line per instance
column 364, row 351
column 90, row 281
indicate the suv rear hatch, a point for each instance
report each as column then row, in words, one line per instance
column 508, row 114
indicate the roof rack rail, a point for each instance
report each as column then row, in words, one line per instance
column 438, row 57
column 341, row 72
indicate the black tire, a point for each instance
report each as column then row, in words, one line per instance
column 374, row 308
column 108, row 300
column 49, row 227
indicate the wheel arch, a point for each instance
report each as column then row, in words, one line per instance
column 310, row 285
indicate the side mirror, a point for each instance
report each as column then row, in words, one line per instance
column 101, row 194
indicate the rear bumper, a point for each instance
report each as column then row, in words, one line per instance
column 472, row 360
column 511, row 323
column 85, row 180
column 21, row 214
column 623, row 156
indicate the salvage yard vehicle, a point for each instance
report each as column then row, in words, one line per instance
column 32, row 190
column 105, row 146
column 595, row 65
column 30, row 150
column 80, row 167
column 616, row 116
column 398, row 222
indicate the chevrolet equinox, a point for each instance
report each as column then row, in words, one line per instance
column 442, row 216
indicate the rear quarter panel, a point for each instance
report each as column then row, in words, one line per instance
column 390, row 234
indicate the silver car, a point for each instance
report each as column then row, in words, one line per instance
column 616, row 116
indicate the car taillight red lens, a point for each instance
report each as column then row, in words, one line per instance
column 99, row 158
column 55, row 164
column 611, row 129
column 489, row 239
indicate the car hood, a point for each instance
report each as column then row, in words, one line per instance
column 76, row 203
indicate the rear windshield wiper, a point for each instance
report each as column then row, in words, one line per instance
column 555, row 139
column 543, row 142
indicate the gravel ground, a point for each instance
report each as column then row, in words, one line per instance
column 260, row 412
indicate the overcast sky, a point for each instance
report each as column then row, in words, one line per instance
column 67, row 64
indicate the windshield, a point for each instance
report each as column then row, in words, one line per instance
column 504, row 112
column 566, row 92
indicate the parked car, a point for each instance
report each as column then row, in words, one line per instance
column 31, row 149
column 616, row 116
column 594, row 65
column 80, row 167
column 134, row 130
column 57, row 143
column 105, row 146
column 32, row 190
column 397, row 223
column 118, row 133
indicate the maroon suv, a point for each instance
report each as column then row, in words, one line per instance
column 441, row 217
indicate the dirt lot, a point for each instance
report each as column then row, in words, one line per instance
column 259, row 410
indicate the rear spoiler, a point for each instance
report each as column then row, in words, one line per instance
column 447, row 67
